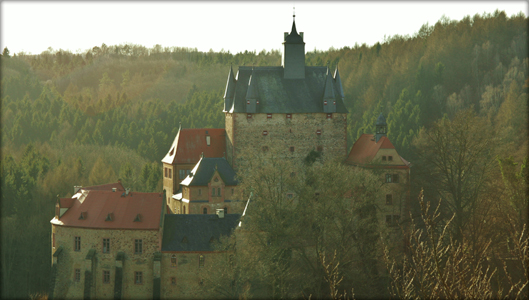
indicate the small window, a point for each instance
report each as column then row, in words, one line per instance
column 218, row 192
column 265, row 132
column 212, row 192
column 77, row 275
column 106, row 245
column 53, row 240
column 205, row 210
column 383, row 158
column 182, row 174
column 325, row 102
column 138, row 277
column 232, row 191
column 248, row 116
column 329, row 116
column 390, row 158
column 173, row 261
column 106, row 276
column 138, row 218
column 173, row 280
column 225, row 210
column 289, row 116
column 199, row 192
column 319, row 148
column 334, row 103
column 201, row 261
column 165, row 169
column 264, row 148
column 138, row 246
column 184, row 210
column 208, row 140
column 248, row 102
column 269, row 116
column 291, row 148
column 389, row 199
column 77, row 243
column 318, row 132
column 389, row 178
column 170, row 173
column 256, row 101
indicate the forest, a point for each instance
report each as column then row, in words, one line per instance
column 455, row 91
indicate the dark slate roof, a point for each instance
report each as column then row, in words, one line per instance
column 197, row 229
column 279, row 95
column 205, row 168
column 381, row 120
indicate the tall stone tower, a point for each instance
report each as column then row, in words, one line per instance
column 291, row 108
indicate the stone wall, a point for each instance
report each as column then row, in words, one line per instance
column 120, row 241
column 303, row 132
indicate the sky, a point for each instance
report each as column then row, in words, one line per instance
column 236, row 26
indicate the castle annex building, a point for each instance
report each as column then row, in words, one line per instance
column 111, row 242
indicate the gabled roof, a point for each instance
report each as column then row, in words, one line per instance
column 365, row 149
column 279, row 95
column 96, row 205
column 203, row 172
column 197, row 230
column 189, row 144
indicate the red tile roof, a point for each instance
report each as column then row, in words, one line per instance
column 66, row 202
column 98, row 204
column 365, row 148
column 189, row 144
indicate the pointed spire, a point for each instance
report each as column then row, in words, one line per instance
column 328, row 94
column 339, row 83
column 381, row 120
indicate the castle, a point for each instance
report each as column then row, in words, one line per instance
column 109, row 242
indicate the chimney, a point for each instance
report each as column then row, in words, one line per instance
column 220, row 213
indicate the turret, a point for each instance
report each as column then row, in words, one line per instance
column 293, row 60
column 381, row 127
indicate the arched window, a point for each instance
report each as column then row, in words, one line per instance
column 173, row 260
column 205, row 210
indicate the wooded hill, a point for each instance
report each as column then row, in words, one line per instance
column 112, row 111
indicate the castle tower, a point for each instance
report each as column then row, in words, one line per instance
column 291, row 109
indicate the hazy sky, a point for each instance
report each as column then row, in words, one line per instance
column 33, row 26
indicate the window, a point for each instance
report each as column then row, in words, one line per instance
column 173, row 261
column 165, row 169
column 218, row 192
column 325, row 102
column 106, row 276
column 329, row 116
column 212, row 192
column 269, row 116
column 173, row 280
column 184, row 210
column 384, row 158
column 205, row 210
column 248, row 116
column 106, row 245
column 318, row 132
column 201, row 261
column 232, row 191
column 182, row 174
column 389, row 199
column 77, row 243
column 265, row 132
column 53, row 240
column 292, row 174
column 390, row 158
column 138, row 246
column 170, row 173
column 389, row 178
column 199, row 192
column 225, row 210
column 291, row 148
column 289, row 116
column 208, row 140
column 138, row 277
column 77, row 275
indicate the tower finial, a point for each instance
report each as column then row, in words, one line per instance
column 294, row 13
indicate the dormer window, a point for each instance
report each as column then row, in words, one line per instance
column 318, row 132
column 265, row 132
column 138, row 218
column 83, row 216
column 390, row 158
column 384, row 158
column 110, row 217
